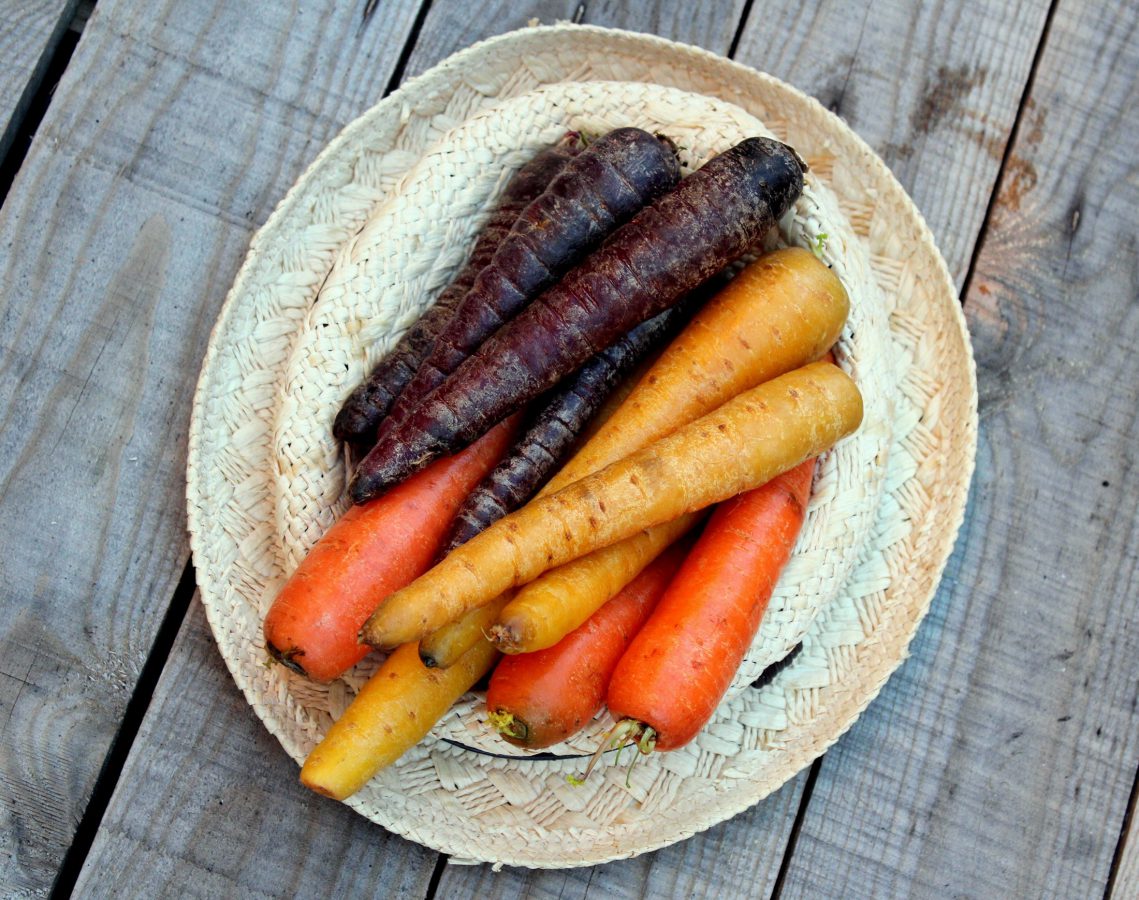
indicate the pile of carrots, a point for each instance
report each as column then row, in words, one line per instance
column 591, row 354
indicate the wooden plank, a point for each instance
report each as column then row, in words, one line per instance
column 29, row 33
column 207, row 807
column 173, row 133
column 999, row 761
column 932, row 87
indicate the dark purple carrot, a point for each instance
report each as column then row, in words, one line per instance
column 360, row 416
column 552, row 432
column 602, row 188
column 712, row 217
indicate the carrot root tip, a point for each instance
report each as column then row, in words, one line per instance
column 504, row 637
column 287, row 658
column 507, row 725
column 624, row 732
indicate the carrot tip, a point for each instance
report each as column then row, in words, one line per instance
column 287, row 658
column 510, row 728
column 504, row 637
column 625, row 731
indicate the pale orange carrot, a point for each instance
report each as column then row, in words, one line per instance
column 781, row 312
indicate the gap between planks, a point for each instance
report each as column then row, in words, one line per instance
column 22, row 131
column 1013, row 134
column 116, row 757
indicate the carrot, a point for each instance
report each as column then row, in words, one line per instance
column 779, row 313
column 394, row 710
column 553, row 431
column 360, row 415
column 712, row 217
column 560, row 600
column 609, row 181
column 674, row 674
column 746, row 442
column 369, row 552
column 444, row 646
column 538, row 699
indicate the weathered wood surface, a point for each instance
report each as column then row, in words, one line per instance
column 449, row 27
column 29, row 32
column 208, row 806
column 935, row 90
column 998, row 762
column 118, row 242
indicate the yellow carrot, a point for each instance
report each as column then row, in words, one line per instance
column 550, row 607
column 393, row 711
column 443, row 647
column 781, row 312
column 743, row 444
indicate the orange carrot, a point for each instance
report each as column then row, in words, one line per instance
column 538, row 699
column 677, row 669
column 369, row 552
column 743, row 444
column 393, row 711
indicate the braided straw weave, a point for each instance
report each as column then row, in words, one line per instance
column 261, row 480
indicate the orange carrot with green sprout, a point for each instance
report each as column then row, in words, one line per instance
column 669, row 682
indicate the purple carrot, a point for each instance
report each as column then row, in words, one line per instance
column 712, row 217
column 599, row 190
column 360, row 416
column 553, row 431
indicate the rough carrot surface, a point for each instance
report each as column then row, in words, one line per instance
column 392, row 713
column 677, row 669
column 743, row 444
column 538, row 699
column 670, row 247
column 600, row 189
column 779, row 313
column 551, row 433
column 369, row 552
column 365, row 407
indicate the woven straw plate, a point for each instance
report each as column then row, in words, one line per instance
column 522, row 812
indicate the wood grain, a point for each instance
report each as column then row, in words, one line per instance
column 29, row 32
column 998, row 762
column 204, row 807
column 933, row 87
column 163, row 148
